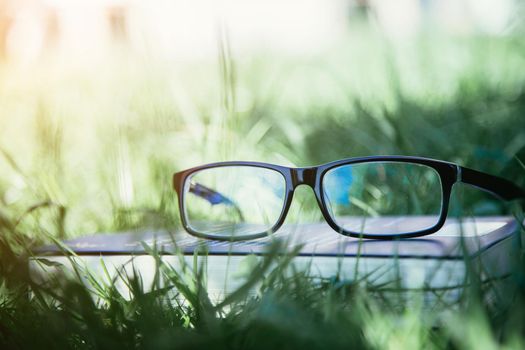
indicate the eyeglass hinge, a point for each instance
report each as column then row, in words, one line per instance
column 459, row 176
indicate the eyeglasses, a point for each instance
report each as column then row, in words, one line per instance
column 381, row 197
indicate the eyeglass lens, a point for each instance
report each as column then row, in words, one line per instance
column 234, row 201
column 383, row 197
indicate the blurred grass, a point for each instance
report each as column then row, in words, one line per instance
column 102, row 140
column 87, row 148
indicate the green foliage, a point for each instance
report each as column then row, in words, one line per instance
column 86, row 151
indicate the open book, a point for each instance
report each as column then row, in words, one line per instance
column 433, row 263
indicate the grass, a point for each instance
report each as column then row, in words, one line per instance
column 92, row 148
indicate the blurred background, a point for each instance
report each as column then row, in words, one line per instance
column 102, row 100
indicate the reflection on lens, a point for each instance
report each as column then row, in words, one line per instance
column 233, row 201
column 383, row 197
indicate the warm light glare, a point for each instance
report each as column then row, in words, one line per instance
column 190, row 29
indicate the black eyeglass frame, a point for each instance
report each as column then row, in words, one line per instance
column 449, row 173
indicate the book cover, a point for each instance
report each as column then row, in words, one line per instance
column 436, row 262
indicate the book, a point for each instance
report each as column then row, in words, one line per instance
column 435, row 265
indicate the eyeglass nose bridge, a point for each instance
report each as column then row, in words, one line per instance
column 304, row 176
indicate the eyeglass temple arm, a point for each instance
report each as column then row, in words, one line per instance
column 498, row 186
column 213, row 197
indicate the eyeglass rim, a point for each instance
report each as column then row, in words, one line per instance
column 282, row 216
column 449, row 174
